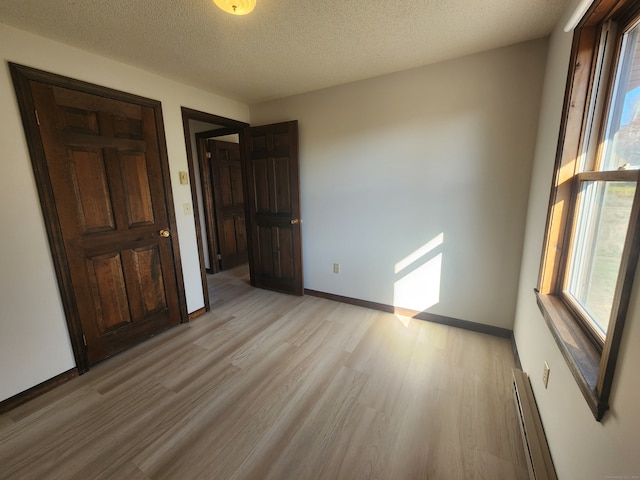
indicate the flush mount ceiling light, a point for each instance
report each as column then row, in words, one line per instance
column 236, row 7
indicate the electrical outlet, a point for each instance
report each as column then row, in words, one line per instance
column 545, row 374
column 336, row 268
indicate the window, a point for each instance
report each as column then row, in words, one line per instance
column 592, row 237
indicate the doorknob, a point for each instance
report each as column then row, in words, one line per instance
column 295, row 221
column 164, row 233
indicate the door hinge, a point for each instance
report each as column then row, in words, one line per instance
column 84, row 340
column 219, row 257
column 208, row 154
column 37, row 118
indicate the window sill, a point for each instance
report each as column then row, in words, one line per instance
column 580, row 354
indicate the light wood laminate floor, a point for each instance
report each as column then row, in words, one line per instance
column 270, row 386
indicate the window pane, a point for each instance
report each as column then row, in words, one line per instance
column 603, row 218
column 622, row 146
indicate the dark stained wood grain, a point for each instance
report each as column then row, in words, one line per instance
column 106, row 276
column 92, row 190
column 225, row 168
column 136, row 188
column 571, row 135
column 102, row 175
column 272, row 190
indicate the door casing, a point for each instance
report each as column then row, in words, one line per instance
column 231, row 126
column 244, row 132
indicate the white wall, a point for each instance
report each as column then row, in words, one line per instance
column 34, row 343
column 433, row 162
column 581, row 447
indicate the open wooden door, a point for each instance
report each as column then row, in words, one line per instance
column 225, row 168
column 272, row 190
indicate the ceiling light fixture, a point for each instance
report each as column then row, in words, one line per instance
column 236, row 7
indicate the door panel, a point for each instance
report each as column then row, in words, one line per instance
column 147, row 264
column 136, row 188
column 228, row 202
column 90, row 184
column 109, row 291
column 105, row 173
column 273, row 196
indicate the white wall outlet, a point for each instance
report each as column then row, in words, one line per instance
column 336, row 268
column 545, row 374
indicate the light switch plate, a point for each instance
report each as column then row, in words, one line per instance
column 184, row 178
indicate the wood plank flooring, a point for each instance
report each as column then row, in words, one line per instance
column 269, row 386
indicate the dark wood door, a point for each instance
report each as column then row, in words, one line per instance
column 226, row 178
column 105, row 173
column 273, row 203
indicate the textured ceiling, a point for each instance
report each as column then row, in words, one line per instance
column 284, row 47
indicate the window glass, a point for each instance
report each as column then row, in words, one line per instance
column 622, row 145
column 604, row 210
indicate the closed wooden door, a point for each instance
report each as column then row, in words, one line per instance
column 273, row 200
column 226, row 178
column 105, row 174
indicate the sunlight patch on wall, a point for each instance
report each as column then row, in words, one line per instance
column 418, row 288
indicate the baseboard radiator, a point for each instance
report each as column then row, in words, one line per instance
column 535, row 443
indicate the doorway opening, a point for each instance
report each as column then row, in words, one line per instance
column 217, row 227
column 222, row 200
column 270, row 178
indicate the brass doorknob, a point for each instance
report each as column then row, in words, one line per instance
column 295, row 221
column 164, row 233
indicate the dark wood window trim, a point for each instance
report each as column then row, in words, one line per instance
column 576, row 348
column 592, row 363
